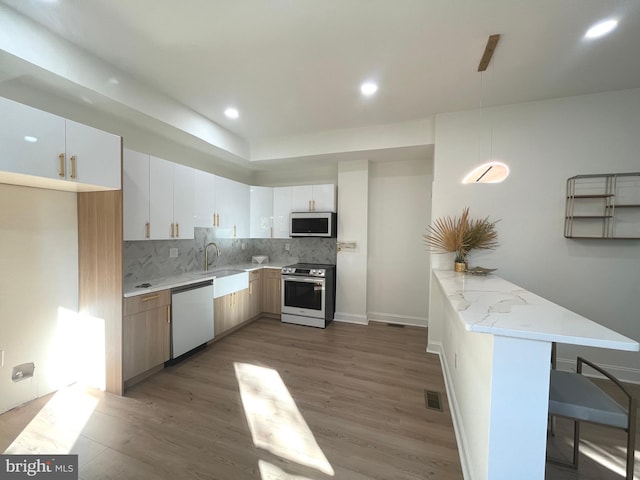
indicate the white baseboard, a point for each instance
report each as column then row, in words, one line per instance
column 461, row 440
column 350, row 318
column 624, row 374
column 436, row 348
column 397, row 319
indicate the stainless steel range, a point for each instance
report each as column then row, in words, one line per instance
column 309, row 294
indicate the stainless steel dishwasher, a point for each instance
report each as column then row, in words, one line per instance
column 191, row 317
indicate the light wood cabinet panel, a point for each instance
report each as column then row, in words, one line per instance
column 146, row 333
column 272, row 300
column 230, row 311
column 255, row 293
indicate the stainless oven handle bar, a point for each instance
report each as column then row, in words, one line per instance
column 288, row 278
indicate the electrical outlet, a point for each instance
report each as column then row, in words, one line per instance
column 173, row 253
column 287, row 247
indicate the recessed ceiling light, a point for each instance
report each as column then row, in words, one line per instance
column 232, row 112
column 30, row 139
column 113, row 81
column 368, row 88
column 601, row 29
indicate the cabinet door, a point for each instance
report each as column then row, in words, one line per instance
column 232, row 208
column 93, row 156
column 261, row 212
column 324, row 198
column 160, row 198
column 222, row 314
column 272, row 300
column 241, row 303
column 146, row 341
column 255, row 293
column 301, row 197
column 281, row 211
column 31, row 140
column 135, row 193
column 205, row 199
column 183, row 201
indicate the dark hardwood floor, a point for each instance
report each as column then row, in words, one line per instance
column 277, row 401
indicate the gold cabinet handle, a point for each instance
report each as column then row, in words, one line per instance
column 309, row 205
column 73, row 166
column 251, row 288
column 61, row 169
column 234, row 231
column 150, row 297
column 214, row 219
column 314, row 204
column 217, row 219
column 271, row 232
column 172, row 230
column 177, row 230
column 147, row 230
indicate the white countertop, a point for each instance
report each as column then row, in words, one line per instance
column 490, row 304
column 188, row 278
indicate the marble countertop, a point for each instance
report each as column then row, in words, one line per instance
column 490, row 304
column 188, row 278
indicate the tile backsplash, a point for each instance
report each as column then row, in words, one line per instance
column 148, row 259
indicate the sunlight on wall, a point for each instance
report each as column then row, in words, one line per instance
column 275, row 422
column 56, row 428
column 77, row 351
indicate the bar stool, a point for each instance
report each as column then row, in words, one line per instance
column 574, row 396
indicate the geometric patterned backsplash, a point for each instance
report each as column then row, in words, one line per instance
column 146, row 259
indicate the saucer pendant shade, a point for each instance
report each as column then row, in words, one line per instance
column 492, row 172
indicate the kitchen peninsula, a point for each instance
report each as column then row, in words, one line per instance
column 494, row 341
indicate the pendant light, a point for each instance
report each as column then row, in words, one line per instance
column 490, row 172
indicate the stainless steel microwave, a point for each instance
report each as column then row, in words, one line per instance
column 313, row 224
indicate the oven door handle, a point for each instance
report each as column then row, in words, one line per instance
column 302, row 279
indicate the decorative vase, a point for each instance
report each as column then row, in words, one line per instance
column 459, row 266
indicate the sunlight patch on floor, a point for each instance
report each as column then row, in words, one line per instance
column 598, row 454
column 275, row 422
column 269, row 471
column 57, row 426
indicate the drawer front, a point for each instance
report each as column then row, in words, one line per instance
column 141, row 303
column 255, row 275
column 271, row 273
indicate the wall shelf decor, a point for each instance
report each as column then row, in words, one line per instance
column 603, row 206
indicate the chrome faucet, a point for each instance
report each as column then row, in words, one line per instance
column 206, row 254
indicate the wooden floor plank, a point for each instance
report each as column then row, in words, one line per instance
column 359, row 390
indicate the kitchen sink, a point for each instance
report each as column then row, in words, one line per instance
column 229, row 281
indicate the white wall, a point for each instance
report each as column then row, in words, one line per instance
column 39, row 273
column 544, row 143
column 398, row 264
column 351, row 269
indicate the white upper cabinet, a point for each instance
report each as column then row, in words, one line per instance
column 183, row 201
column 158, row 198
column 282, row 202
column 232, row 209
column 32, row 140
column 93, row 156
column 171, row 200
column 135, row 193
column 46, row 146
column 261, row 212
column 205, row 199
column 320, row 198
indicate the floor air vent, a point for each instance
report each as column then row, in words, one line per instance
column 433, row 400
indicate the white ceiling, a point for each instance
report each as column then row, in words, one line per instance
column 293, row 67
